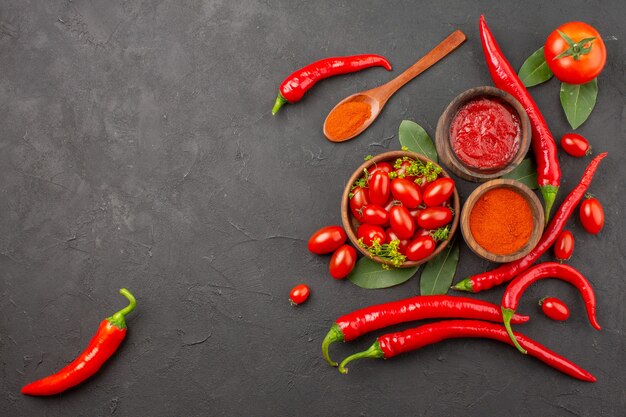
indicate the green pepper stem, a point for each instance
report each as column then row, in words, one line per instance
column 507, row 314
column 548, row 192
column 374, row 352
column 334, row 335
column 117, row 319
column 280, row 101
column 465, row 285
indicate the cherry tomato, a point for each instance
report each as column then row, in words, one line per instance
column 564, row 246
column 372, row 214
column 575, row 145
column 359, row 199
column 582, row 62
column 401, row 222
column 422, row 232
column 407, row 192
column 369, row 233
column 402, row 171
column 420, row 248
column 342, row 262
column 592, row 215
column 379, row 185
column 438, row 191
column 554, row 308
column 391, row 235
column 327, row 240
column 380, row 166
column 434, row 217
column 299, row 294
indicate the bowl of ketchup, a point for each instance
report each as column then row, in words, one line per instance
column 484, row 133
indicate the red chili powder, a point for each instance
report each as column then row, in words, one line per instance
column 346, row 120
column 501, row 221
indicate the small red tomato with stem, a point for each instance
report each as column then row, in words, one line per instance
column 554, row 308
column 391, row 235
column 564, row 246
column 379, row 188
column 358, row 199
column 342, row 262
column 420, row 248
column 369, row 233
column 438, row 192
column 327, row 240
column 373, row 214
column 380, row 166
column 407, row 192
column 592, row 215
column 402, row 171
column 434, row 217
column 575, row 145
column 401, row 222
column 299, row 294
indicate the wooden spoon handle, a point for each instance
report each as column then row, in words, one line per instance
column 446, row 46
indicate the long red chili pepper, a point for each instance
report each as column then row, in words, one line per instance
column 507, row 272
column 544, row 146
column 393, row 344
column 110, row 334
column 299, row 82
column 516, row 288
column 368, row 319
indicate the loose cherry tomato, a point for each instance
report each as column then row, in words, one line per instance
column 401, row 222
column 554, row 308
column 358, row 200
column 372, row 214
column 342, row 262
column 327, row 240
column 434, row 217
column 380, row 166
column 592, row 215
column 576, row 56
column 420, row 248
column 407, row 192
column 391, row 235
column 564, row 246
column 369, row 233
column 299, row 294
column 438, row 191
column 379, row 185
column 575, row 145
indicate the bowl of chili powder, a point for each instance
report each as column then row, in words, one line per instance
column 502, row 220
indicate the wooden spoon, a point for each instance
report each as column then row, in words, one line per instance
column 377, row 97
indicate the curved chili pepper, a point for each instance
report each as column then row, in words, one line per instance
column 368, row 319
column 393, row 344
column 507, row 272
column 544, row 146
column 516, row 288
column 110, row 334
column 299, row 82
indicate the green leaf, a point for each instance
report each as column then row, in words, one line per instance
column 526, row 173
column 578, row 100
column 415, row 138
column 535, row 69
column 439, row 271
column 371, row 275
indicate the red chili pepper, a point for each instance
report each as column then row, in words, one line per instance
column 368, row 319
column 110, row 334
column 507, row 272
column 544, row 146
column 513, row 293
column 299, row 82
column 393, row 344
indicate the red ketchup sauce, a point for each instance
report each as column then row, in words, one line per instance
column 485, row 134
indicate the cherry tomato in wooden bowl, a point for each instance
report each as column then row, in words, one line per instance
column 438, row 192
column 434, row 217
column 554, row 308
column 401, row 222
column 379, row 188
column 564, row 246
column 369, row 233
column 592, row 215
column 420, row 248
column 407, row 192
column 575, row 145
column 299, row 294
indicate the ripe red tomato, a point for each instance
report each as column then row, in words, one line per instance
column 564, row 246
column 570, row 60
column 369, row 233
column 379, row 185
column 359, row 199
column 401, row 222
column 422, row 232
column 554, row 308
column 402, row 170
column 575, row 145
column 380, row 166
column 372, row 214
column 342, row 262
column 299, row 294
column 420, row 248
column 592, row 215
column 391, row 235
column 438, row 192
column 327, row 240
column 434, row 217
column 407, row 192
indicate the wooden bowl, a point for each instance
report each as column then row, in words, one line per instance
column 442, row 134
column 350, row 223
column 536, row 209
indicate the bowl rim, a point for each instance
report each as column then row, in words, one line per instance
column 347, row 217
column 529, row 196
column 442, row 133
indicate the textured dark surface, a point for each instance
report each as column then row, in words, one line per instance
column 137, row 149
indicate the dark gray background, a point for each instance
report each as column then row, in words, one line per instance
column 137, row 149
